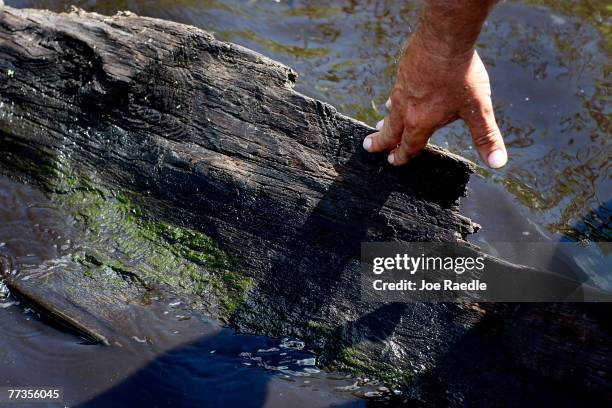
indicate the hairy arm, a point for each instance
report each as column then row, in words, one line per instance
column 440, row 79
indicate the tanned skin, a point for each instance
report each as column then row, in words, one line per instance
column 440, row 79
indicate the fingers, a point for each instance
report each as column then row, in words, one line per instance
column 413, row 142
column 404, row 143
column 388, row 136
column 486, row 135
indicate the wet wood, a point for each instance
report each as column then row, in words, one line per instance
column 212, row 136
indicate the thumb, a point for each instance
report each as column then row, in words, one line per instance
column 486, row 135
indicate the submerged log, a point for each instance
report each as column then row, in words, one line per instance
column 210, row 136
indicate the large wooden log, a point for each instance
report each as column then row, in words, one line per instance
column 211, row 136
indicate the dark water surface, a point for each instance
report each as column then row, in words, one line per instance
column 549, row 63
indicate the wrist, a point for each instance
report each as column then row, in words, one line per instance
column 443, row 49
column 428, row 60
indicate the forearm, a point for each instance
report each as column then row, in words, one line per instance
column 450, row 28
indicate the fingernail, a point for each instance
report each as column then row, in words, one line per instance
column 391, row 158
column 388, row 103
column 497, row 158
column 367, row 143
column 380, row 124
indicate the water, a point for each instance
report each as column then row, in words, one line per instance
column 549, row 63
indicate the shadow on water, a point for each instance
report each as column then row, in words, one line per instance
column 191, row 376
column 229, row 370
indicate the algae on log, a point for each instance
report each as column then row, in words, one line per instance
column 210, row 136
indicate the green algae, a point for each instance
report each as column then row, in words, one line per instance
column 321, row 329
column 358, row 363
column 122, row 245
column 349, row 358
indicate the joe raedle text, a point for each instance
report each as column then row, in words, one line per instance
column 424, row 286
column 404, row 272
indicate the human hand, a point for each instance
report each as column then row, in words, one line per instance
column 432, row 89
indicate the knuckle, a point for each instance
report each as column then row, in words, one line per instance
column 410, row 122
column 396, row 97
column 486, row 109
column 411, row 147
column 388, row 136
column 385, row 141
column 485, row 138
column 484, row 105
column 401, row 157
